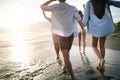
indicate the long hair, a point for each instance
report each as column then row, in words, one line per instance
column 99, row 7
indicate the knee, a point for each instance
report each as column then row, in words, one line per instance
column 84, row 42
column 94, row 46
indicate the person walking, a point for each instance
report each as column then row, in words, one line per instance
column 98, row 18
column 81, row 36
column 64, row 17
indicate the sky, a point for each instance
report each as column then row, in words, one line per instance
column 21, row 13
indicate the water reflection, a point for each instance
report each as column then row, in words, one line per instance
column 19, row 51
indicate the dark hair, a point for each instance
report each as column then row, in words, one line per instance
column 61, row 0
column 80, row 13
column 99, row 7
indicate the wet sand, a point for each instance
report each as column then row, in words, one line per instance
column 84, row 67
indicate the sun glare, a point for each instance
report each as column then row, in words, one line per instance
column 15, row 20
column 19, row 51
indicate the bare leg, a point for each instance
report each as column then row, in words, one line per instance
column 68, row 63
column 94, row 45
column 102, row 46
column 79, row 40
column 66, row 43
column 84, row 42
column 56, row 44
column 96, row 50
column 102, row 50
column 57, row 49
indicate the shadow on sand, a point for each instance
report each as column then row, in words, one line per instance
column 92, row 73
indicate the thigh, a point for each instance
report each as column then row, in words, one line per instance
column 102, row 41
column 83, row 37
column 94, row 41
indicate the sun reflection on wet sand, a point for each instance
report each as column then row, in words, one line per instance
column 19, row 51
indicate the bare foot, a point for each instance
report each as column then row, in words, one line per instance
column 98, row 67
column 64, row 69
column 59, row 61
column 101, row 65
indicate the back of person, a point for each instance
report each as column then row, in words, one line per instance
column 63, row 21
column 98, row 16
column 99, row 27
column 64, row 18
column 94, row 19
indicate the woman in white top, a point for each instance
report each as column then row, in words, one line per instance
column 100, row 24
column 64, row 17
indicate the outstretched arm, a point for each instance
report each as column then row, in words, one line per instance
column 49, row 19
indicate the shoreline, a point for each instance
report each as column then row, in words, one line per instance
column 112, row 41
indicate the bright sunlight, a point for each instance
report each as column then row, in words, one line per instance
column 18, row 14
column 19, row 51
column 16, row 19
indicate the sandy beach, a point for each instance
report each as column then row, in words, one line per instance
column 84, row 66
column 27, row 50
column 28, row 56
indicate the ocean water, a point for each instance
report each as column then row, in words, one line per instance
column 23, row 54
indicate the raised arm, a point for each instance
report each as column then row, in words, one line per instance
column 45, row 7
column 46, row 3
column 49, row 19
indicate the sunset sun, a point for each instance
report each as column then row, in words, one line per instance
column 16, row 15
column 16, row 19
